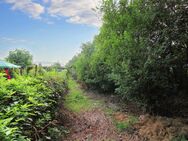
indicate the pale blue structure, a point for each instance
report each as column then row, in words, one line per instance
column 6, row 65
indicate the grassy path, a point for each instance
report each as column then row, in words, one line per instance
column 76, row 100
column 90, row 119
column 93, row 117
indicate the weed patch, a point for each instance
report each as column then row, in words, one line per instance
column 124, row 124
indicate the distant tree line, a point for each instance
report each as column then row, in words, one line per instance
column 141, row 54
column 24, row 59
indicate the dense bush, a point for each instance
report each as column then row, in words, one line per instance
column 141, row 53
column 28, row 104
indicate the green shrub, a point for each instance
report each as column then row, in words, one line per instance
column 27, row 104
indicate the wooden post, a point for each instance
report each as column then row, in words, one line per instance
column 21, row 71
column 36, row 68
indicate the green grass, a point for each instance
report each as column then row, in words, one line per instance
column 75, row 100
column 122, row 125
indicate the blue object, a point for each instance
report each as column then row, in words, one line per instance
column 6, row 65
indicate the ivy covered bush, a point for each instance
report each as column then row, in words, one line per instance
column 28, row 105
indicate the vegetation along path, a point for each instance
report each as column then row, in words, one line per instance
column 94, row 117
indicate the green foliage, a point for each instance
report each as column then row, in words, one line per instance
column 28, row 104
column 141, row 54
column 87, row 68
column 20, row 57
column 56, row 132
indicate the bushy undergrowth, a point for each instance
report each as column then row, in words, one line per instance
column 28, row 105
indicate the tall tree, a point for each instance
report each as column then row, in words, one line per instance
column 20, row 57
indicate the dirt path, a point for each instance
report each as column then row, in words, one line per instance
column 99, row 118
column 92, row 125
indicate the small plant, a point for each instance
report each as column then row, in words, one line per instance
column 123, row 125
